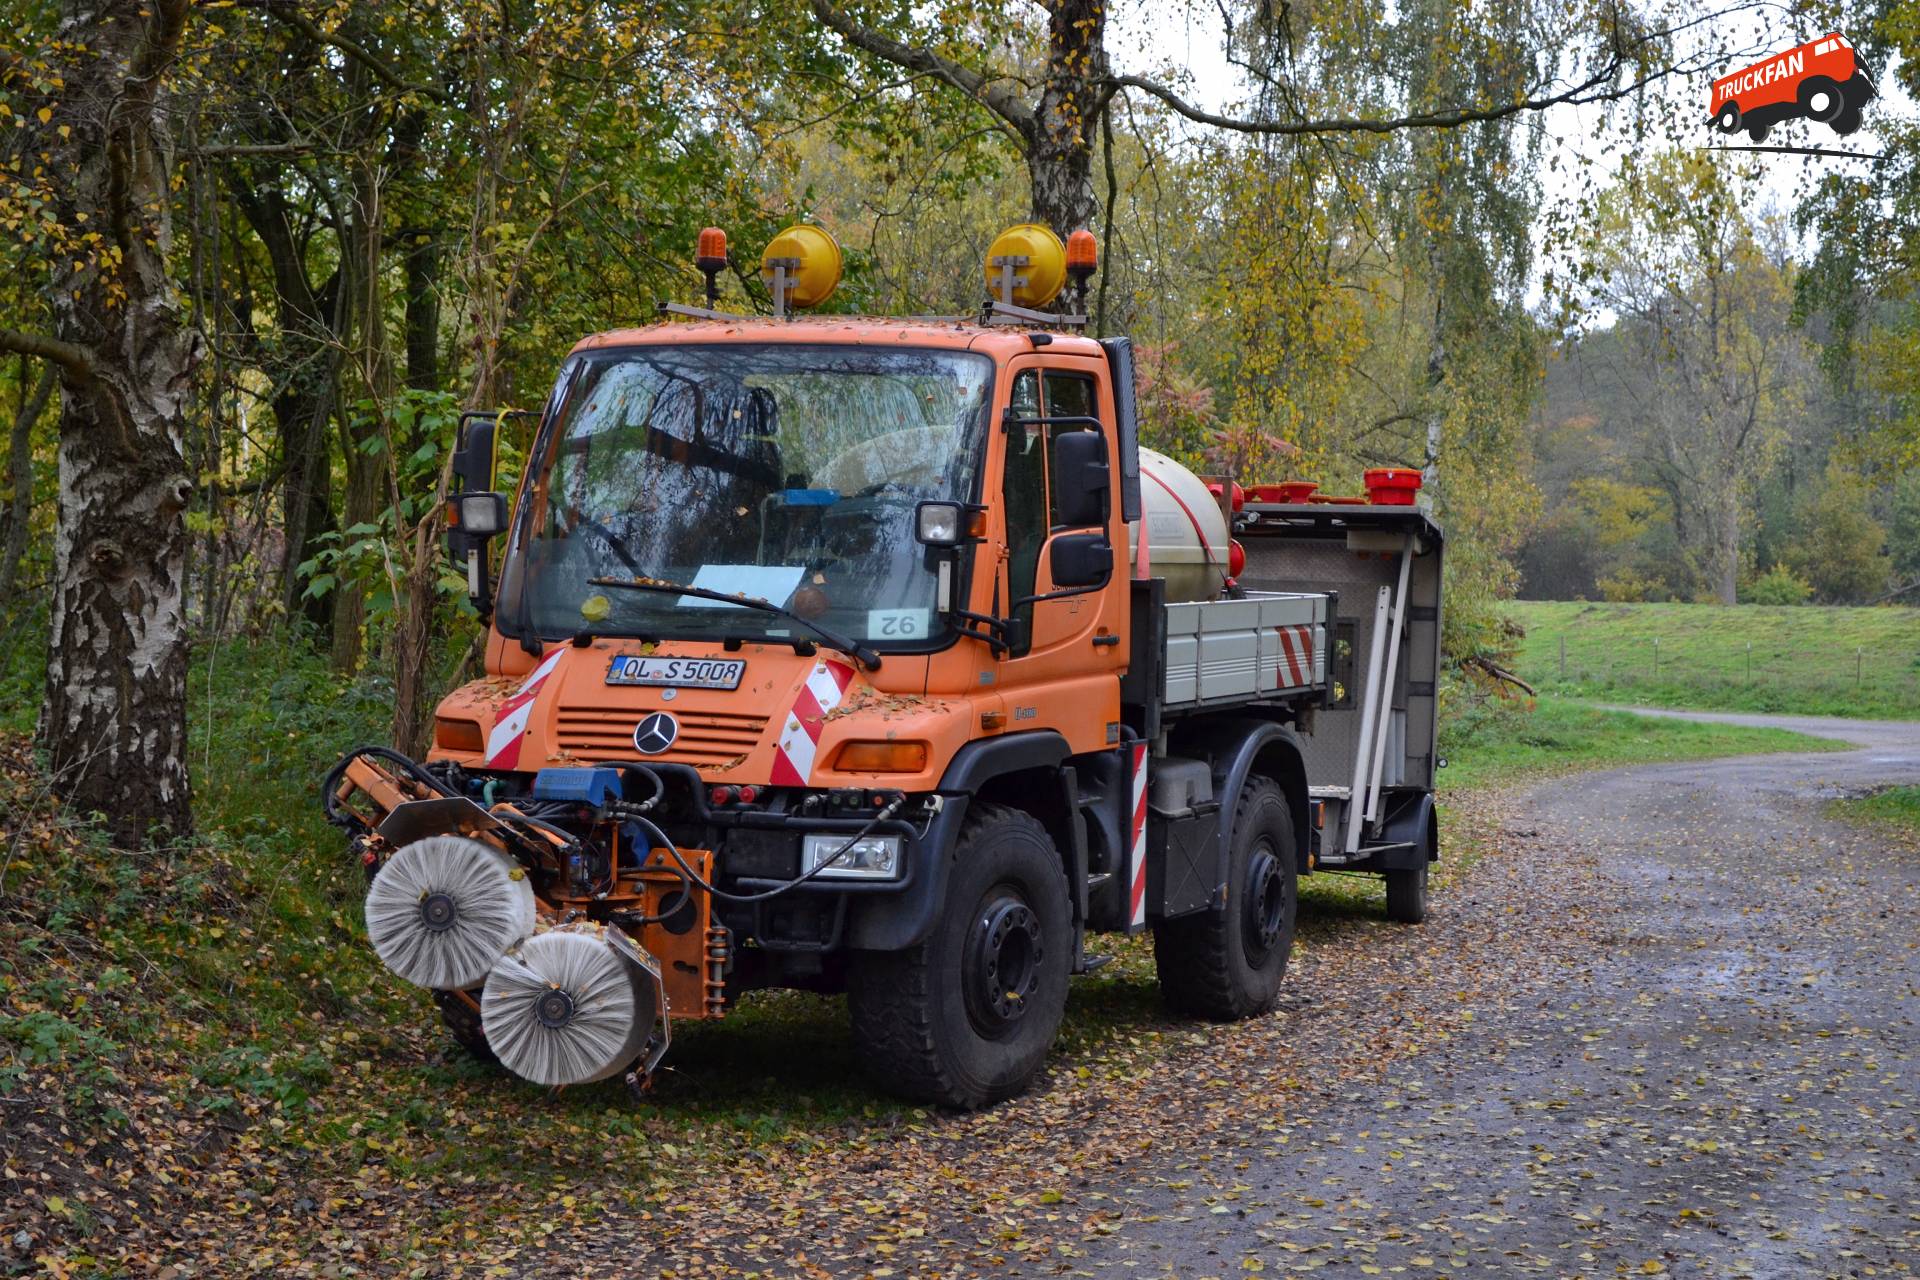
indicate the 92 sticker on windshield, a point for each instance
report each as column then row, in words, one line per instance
column 679, row 673
column 898, row 624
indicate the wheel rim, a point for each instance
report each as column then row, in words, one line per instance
column 1263, row 903
column 1002, row 967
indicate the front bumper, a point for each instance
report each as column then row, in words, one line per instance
column 758, row 850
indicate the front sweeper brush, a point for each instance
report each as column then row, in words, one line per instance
column 443, row 909
column 572, row 1005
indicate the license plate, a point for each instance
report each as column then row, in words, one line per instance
column 680, row 673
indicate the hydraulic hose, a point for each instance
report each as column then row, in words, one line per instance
column 330, row 785
column 743, row 899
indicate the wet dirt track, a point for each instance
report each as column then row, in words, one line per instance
column 1723, row 1082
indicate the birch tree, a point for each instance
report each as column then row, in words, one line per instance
column 89, row 196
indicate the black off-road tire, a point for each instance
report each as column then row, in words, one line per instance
column 463, row 1020
column 1218, row 964
column 1822, row 86
column 1407, row 895
column 1728, row 118
column 927, row 1022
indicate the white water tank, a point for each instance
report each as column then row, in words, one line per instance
column 1187, row 537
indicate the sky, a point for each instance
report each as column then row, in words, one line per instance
column 1181, row 40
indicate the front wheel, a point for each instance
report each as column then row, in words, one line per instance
column 1227, row 963
column 460, row 1010
column 965, row 1018
column 1820, row 98
column 1728, row 121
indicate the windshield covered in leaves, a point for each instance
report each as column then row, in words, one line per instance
column 786, row 473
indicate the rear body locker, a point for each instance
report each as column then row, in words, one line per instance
column 1371, row 756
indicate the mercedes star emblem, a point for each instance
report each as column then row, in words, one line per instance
column 655, row 734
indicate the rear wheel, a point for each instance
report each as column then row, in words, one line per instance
column 1728, row 121
column 1227, row 963
column 1407, row 895
column 966, row 1017
column 1759, row 132
column 461, row 1012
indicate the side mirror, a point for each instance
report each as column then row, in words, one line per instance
column 1080, row 479
column 473, row 452
column 1080, row 560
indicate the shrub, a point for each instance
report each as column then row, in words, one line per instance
column 1778, row 585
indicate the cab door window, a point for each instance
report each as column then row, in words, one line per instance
column 1030, row 506
column 1024, row 492
column 1067, row 395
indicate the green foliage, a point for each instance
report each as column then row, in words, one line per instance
column 1841, row 548
column 1903, row 529
column 1777, row 586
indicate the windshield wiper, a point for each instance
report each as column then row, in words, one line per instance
column 860, row 653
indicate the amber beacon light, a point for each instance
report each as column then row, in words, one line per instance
column 801, row 267
column 710, row 255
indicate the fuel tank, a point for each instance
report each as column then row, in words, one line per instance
column 1186, row 532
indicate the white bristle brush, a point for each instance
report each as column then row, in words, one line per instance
column 443, row 909
column 564, row 1007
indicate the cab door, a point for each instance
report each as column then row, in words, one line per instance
column 1072, row 641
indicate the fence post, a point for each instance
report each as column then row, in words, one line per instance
column 1656, row 657
column 1563, row 656
column 1749, row 662
column 1856, row 670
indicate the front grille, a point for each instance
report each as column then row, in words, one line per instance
column 706, row 738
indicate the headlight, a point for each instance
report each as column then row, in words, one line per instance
column 868, row 858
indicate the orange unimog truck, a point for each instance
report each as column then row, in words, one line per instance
column 846, row 654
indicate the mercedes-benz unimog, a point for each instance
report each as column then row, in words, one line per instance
column 846, row 654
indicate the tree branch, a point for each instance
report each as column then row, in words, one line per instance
column 76, row 360
column 1587, row 92
column 291, row 15
column 995, row 95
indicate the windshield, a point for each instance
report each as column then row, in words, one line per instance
column 783, row 472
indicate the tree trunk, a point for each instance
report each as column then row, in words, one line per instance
column 1727, row 572
column 114, row 720
column 1060, row 148
column 423, row 312
column 363, row 243
column 20, row 477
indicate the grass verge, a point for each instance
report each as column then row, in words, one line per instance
column 1564, row 736
column 1895, row 807
column 1861, row 662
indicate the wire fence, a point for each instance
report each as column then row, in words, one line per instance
column 1874, row 680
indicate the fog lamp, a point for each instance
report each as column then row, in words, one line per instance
column 868, row 858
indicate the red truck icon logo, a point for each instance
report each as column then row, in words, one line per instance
column 1820, row 80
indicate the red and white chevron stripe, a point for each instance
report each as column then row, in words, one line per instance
column 510, row 730
column 800, row 736
column 1296, row 657
column 1137, row 852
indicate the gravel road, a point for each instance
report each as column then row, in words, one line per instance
column 1723, row 1079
